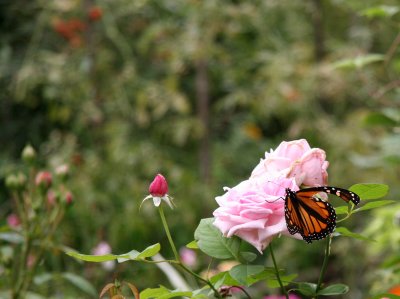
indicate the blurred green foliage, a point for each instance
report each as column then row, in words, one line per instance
column 198, row 90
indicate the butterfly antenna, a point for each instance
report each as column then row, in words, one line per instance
column 272, row 201
column 281, row 197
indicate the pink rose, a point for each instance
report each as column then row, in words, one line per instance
column 295, row 159
column 254, row 210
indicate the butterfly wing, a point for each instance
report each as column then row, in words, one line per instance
column 344, row 194
column 308, row 215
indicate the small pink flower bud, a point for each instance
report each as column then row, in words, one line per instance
column 13, row 221
column 31, row 261
column 62, row 170
column 51, row 198
column 44, row 179
column 159, row 186
column 101, row 249
column 69, row 198
column 188, row 256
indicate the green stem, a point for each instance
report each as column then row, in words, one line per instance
column 216, row 293
column 171, row 242
column 54, row 223
column 26, row 247
column 325, row 263
column 277, row 271
column 349, row 213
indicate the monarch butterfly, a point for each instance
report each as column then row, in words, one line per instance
column 311, row 216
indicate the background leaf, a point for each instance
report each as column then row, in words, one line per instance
column 380, row 11
column 359, row 61
column 80, row 283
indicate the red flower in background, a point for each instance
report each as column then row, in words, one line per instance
column 44, row 179
column 71, row 30
column 95, row 13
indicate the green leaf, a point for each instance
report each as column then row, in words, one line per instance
column 200, row 293
column 285, row 279
column 133, row 255
column 223, row 278
column 248, row 256
column 386, row 295
column 242, row 273
column 342, row 210
column 149, row 251
column 378, row 118
column 333, row 290
column 192, row 245
column 359, row 61
column 392, row 261
column 268, row 274
column 370, row 191
column 385, row 11
column 80, row 283
column 343, row 231
column 42, row 278
column 374, row 205
column 163, row 293
column 92, row 258
column 29, row 295
column 307, row 289
column 153, row 293
column 11, row 237
column 210, row 241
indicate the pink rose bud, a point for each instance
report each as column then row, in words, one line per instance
column 159, row 186
column 44, row 179
column 13, row 221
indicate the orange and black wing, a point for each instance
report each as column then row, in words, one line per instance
column 308, row 215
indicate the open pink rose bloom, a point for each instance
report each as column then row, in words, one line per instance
column 254, row 209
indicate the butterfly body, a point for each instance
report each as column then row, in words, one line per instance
column 309, row 215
